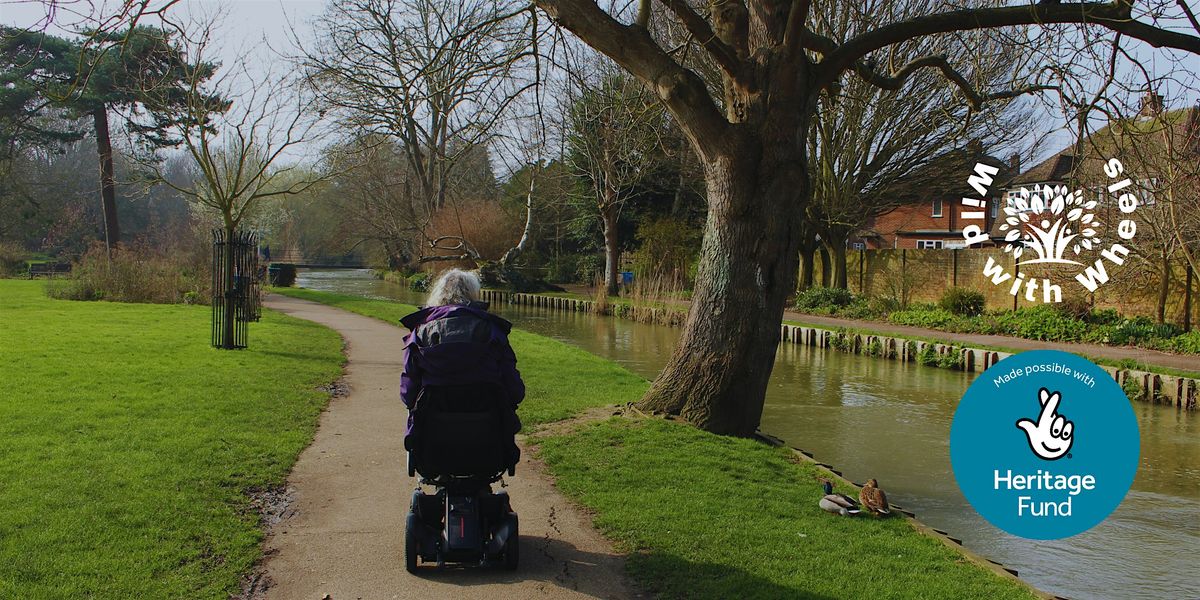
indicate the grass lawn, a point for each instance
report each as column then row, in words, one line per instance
column 706, row 516
column 128, row 445
column 560, row 380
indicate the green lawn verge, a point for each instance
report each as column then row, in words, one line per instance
column 129, row 445
column 705, row 516
column 560, row 380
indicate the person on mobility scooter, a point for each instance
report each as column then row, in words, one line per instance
column 462, row 388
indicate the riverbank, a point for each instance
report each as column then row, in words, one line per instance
column 953, row 351
column 135, row 458
column 708, row 516
column 1144, row 359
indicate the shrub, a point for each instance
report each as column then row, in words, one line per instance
column 12, row 259
column 1132, row 388
column 589, row 268
column 875, row 348
column 137, row 274
column 883, row 305
column 951, row 359
column 667, row 247
column 1108, row 316
column 563, row 268
column 924, row 316
column 1075, row 308
column 419, row 282
column 962, row 301
column 823, row 297
column 928, row 356
column 1132, row 331
column 1041, row 323
column 1185, row 343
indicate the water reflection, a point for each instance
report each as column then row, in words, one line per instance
column 884, row 419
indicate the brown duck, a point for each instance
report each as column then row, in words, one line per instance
column 873, row 498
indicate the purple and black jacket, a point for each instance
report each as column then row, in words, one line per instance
column 458, row 345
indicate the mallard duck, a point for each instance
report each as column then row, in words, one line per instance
column 838, row 503
column 874, row 499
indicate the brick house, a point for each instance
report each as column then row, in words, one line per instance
column 932, row 217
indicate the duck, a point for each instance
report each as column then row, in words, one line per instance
column 838, row 503
column 874, row 499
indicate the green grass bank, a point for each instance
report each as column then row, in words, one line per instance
column 706, row 516
column 129, row 448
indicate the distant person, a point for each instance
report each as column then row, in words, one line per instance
column 455, row 344
column 266, row 252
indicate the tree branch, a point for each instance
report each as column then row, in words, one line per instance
column 681, row 90
column 725, row 56
column 894, row 81
column 1116, row 15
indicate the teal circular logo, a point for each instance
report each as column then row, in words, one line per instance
column 1044, row 445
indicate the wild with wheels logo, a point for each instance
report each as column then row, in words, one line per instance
column 1053, row 225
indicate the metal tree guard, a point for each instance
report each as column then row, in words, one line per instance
column 236, row 298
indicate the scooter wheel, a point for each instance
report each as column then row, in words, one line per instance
column 512, row 550
column 411, row 546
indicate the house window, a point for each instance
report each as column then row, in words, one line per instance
column 937, row 208
column 995, row 208
column 858, row 245
column 929, row 244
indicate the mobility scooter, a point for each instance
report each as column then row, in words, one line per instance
column 461, row 446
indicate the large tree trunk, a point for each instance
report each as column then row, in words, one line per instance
column 808, row 262
column 108, row 188
column 838, row 249
column 717, row 377
column 612, row 252
column 826, row 265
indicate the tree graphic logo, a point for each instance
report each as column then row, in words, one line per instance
column 1049, row 220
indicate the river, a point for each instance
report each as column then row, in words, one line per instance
column 890, row 420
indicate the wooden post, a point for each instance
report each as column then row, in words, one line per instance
column 1016, row 271
column 862, row 257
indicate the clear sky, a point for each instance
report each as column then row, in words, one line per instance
column 262, row 29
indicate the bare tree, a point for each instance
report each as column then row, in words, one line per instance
column 239, row 158
column 752, row 139
column 435, row 76
column 613, row 142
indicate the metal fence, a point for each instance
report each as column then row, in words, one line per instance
column 236, row 289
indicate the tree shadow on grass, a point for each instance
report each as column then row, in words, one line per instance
column 671, row 576
column 558, row 564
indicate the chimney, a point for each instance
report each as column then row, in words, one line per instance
column 1014, row 162
column 1152, row 104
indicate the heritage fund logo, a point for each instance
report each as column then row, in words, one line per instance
column 1050, row 437
column 1052, row 225
column 1050, row 476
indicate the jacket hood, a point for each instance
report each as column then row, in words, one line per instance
column 430, row 313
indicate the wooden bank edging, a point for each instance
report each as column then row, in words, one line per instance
column 922, row 528
column 1158, row 388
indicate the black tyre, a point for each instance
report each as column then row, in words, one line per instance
column 512, row 549
column 411, row 546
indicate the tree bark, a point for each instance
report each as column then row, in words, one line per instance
column 808, row 262
column 717, row 377
column 1164, row 288
column 108, row 188
column 840, row 277
column 826, row 265
column 612, row 252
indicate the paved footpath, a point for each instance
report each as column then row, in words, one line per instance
column 344, row 538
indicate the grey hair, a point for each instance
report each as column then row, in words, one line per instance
column 455, row 286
